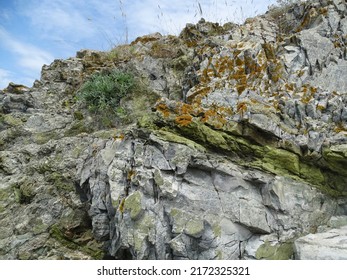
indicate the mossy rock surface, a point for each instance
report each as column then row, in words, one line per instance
column 133, row 203
column 267, row 251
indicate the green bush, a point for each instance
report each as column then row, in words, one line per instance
column 103, row 91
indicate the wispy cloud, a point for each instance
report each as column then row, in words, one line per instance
column 5, row 78
column 69, row 22
column 27, row 55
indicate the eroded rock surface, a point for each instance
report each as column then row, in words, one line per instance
column 232, row 146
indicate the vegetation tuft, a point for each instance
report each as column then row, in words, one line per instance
column 103, row 92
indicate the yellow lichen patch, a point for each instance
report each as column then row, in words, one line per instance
column 320, row 107
column 289, row 87
column 275, row 71
column 224, row 64
column 216, row 116
column 313, row 90
column 120, row 137
column 308, row 94
column 340, row 127
column 184, row 120
column 269, row 51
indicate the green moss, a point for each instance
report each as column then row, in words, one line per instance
column 24, row 192
column 60, row 182
column 38, row 226
column 78, row 115
column 42, row 168
column 336, row 158
column 11, row 120
column 133, row 203
column 78, row 127
column 311, row 173
column 44, row 137
column 202, row 133
column 148, row 122
column 5, row 194
column 282, row 251
column 219, row 255
column 180, row 219
column 172, row 137
column 279, row 160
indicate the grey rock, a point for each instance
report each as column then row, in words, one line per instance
column 330, row 245
column 244, row 153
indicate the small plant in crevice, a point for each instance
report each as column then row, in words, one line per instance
column 102, row 92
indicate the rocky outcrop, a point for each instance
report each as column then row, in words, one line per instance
column 232, row 145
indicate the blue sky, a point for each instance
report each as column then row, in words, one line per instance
column 35, row 32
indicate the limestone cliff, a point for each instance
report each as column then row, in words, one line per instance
column 231, row 145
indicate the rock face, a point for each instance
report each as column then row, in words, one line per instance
column 330, row 245
column 232, row 145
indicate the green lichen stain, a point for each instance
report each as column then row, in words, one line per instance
column 11, row 120
column 282, row 251
column 133, row 203
column 194, row 227
column 143, row 228
column 78, row 127
column 5, row 194
column 43, row 137
column 217, row 230
column 281, row 160
column 312, row 174
column 175, row 138
column 336, row 157
column 60, row 182
column 38, row 226
column 184, row 222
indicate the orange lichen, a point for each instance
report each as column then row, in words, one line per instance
column 200, row 91
column 131, row 174
column 184, row 120
column 313, row 90
column 162, row 108
column 207, row 114
column 240, row 88
column 289, row 87
column 241, row 108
